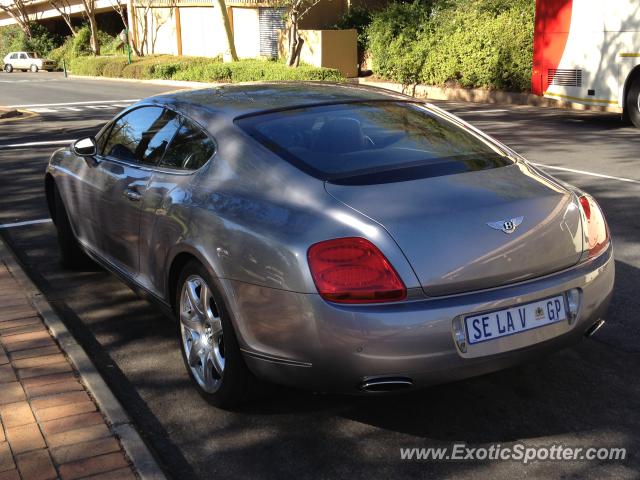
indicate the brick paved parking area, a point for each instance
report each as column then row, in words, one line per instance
column 49, row 426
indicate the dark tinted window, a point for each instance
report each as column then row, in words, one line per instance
column 142, row 135
column 372, row 142
column 158, row 137
column 190, row 149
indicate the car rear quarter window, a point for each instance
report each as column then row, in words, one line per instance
column 190, row 149
column 142, row 135
column 372, row 142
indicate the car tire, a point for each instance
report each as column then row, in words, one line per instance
column 8, row 68
column 72, row 256
column 34, row 68
column 217, row 367
column 632, row 101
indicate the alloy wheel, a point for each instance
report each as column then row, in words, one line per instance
column 201, row 332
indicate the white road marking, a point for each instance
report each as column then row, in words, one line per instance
column 27, row 81
column 43, row 110
column 36, row 144
column 495, row 110
column 62, row 109
column 94, row 102
column 27, row 222
column 583, row 172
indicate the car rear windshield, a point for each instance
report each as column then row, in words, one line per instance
column 372, row 142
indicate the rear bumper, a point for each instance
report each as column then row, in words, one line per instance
column 300, row 340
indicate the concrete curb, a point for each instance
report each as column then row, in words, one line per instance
column 478, row 95
column 472, row 95
column 135, row 448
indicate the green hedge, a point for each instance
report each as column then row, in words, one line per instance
column 470, row 43
column 80, row 45
column 197, row 69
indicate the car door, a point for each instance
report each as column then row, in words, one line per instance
column 167, row 205
column 22, row 61
column 133, row 146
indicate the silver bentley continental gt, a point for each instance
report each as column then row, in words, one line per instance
column 332, row 237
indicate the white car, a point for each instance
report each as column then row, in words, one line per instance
column 26, row 61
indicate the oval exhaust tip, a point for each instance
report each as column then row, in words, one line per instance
column 386, row 384
column 594, row 328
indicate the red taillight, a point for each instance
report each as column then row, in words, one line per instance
column 597, row 230
column 353, row 270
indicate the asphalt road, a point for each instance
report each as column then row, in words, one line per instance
column 584, row 396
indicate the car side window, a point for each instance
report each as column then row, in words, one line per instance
column 158, row 137
column 141, row 136
column 23, row 56
column 190, row 149
column 14, row 56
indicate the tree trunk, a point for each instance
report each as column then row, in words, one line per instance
column 295, row 42
column 62, row 10
column 230, row 55
column 93, row 26
column 68, row 22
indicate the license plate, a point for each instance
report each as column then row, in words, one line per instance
column 501, row 323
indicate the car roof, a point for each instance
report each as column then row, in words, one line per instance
column 251, row 98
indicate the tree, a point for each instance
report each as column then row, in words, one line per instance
column 90, row 12
column 119, row 7
column 17, row 9
column 230, row 54
column 296, row 10
column 64, row 9
column 159, row 19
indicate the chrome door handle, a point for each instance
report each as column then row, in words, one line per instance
column 132, row 195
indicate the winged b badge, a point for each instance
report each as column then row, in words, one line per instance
column 507, row 226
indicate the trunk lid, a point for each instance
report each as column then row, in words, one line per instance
column 441, row 225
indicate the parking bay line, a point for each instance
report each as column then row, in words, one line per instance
column 25, row 223
column 479, row 110
column 70, row 103
column 37, row 144
column 583, row 172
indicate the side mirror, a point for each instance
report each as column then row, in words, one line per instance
column 85, row 147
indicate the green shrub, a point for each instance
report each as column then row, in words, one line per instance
column 114, row 67
column 359, row 18
column 393, row 40
column 198, row 69
column 11, row 39
column 92, row 66
column 471, row 43
column 80, row 45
